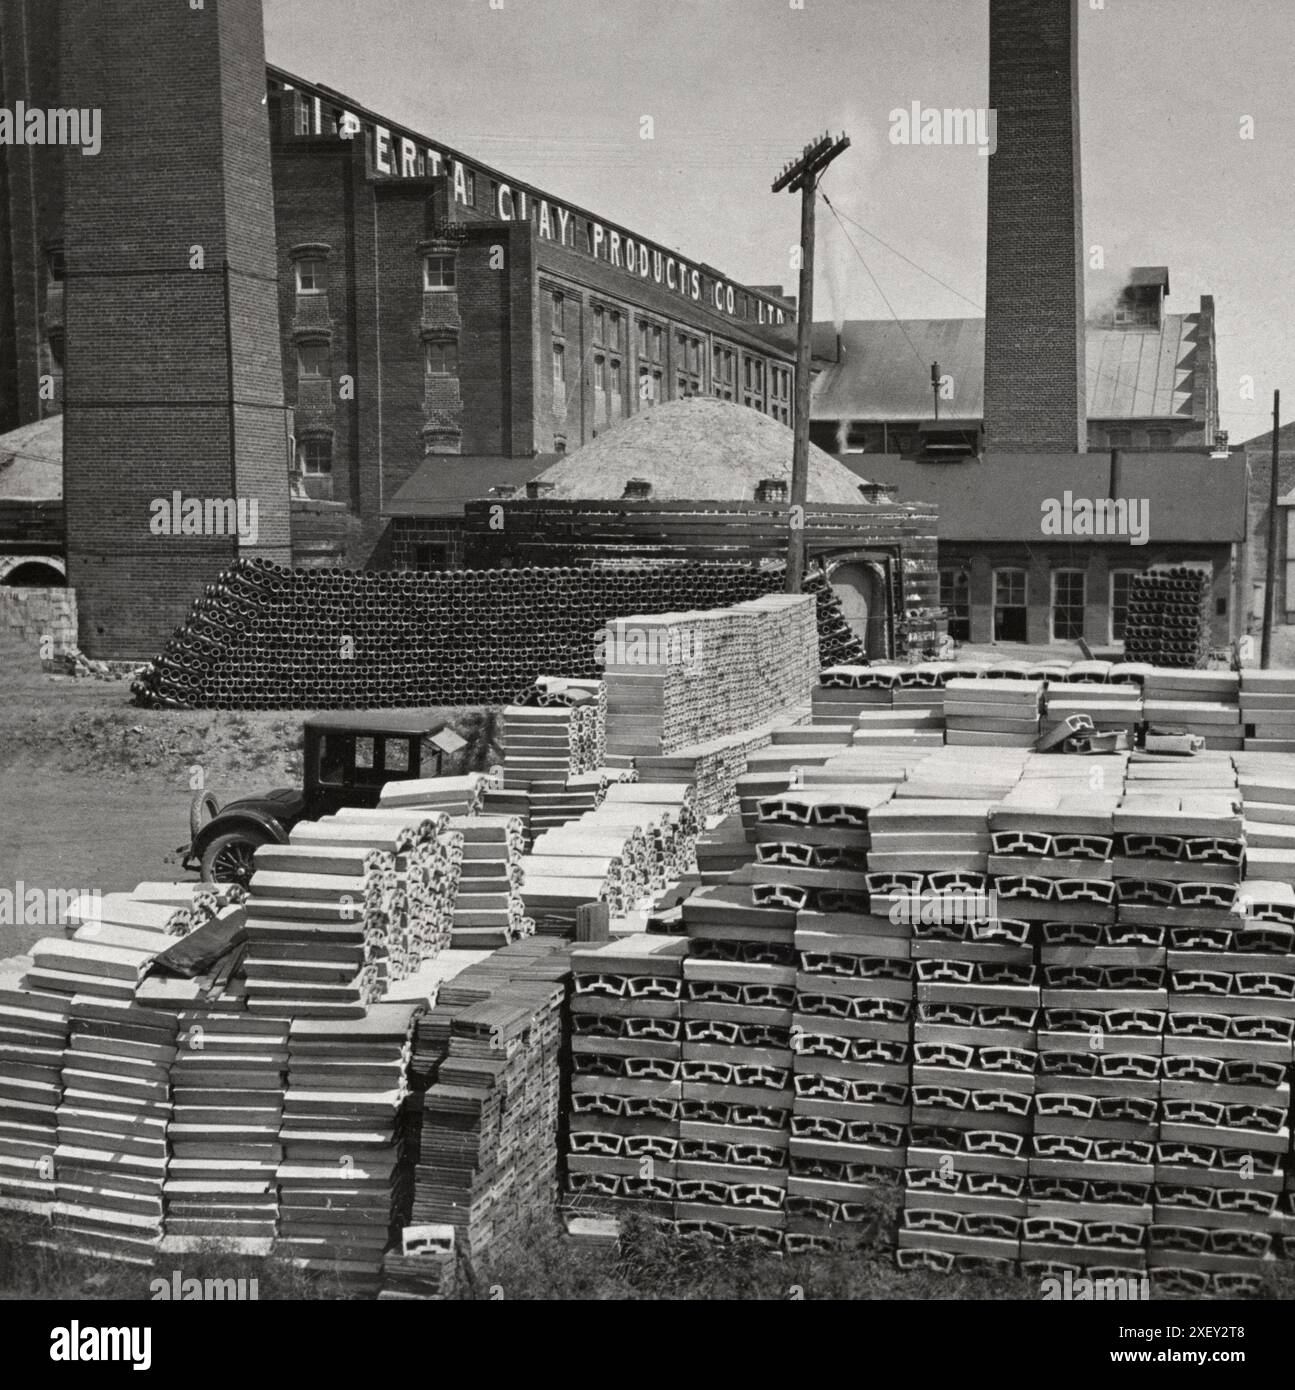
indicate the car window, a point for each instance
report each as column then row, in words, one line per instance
column 364, row 759
column 332, row 759
column 396, row 756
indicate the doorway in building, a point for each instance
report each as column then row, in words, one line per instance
column 861, row 587
column 1010, row 605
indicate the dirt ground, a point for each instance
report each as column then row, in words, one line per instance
column 95, row 793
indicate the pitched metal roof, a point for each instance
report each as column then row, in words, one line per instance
column 885, row 370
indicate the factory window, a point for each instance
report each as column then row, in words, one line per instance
column 955, row 599
column 441, row 359
column 305, row 116
column 600, row 323
column 614, row 405
column 614, row 325
column 1121, row 586
column 600, row 374
column 310, row 276
column 559, row 313
column 559, row 378
column 657, row 340
column 643, row 338
column 312, row 359
column 753, row 382
column 56, row 261
column 438, row 272
column 315, row 456
column 1009, row 605
column 722, row 373
column 1068, row 593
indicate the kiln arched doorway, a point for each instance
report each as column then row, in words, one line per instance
column 861, row 587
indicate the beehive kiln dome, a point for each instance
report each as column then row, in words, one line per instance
column 698, row 449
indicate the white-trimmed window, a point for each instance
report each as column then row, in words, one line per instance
column 1121, row 586
column 1010, row 605
column 559, row 312
column 438, row 272
column 312, row 275
column 1069, row 593
column 315, row 457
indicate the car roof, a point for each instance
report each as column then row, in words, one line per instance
column 406, row 722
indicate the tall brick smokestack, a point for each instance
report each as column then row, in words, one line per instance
column 173, row 376
column 1035, row 397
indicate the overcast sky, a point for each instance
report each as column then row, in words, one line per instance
column 553, row 92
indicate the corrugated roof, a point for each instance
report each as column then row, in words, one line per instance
column 885, row 370
column 31, row 462
column 1136, row 375
column 441, row 484
column 697, row 449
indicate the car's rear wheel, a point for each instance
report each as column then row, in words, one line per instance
column 229, row 858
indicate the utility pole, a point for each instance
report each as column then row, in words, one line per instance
column 1270, row 582
column 801, row 176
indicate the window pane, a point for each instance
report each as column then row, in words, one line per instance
column 395, row 757
column 312, row 359
column 438, row 272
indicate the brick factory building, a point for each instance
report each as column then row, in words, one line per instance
column 424, row 304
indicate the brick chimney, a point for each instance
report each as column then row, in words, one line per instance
column 1035, row 390
column 174, row 379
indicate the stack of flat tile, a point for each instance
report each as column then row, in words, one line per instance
column 486, row 1072
column 714, row 767
column 680, row 679
column 109, row 943
column 851, row 1035
column 353, row 902
column 1115, row 708
column 997, row 713
column 1205, row 703
column 227, row 1087
column 739, row 987
column 639, row 840
column 974, row 1037
column 455, row 796
column 843, row 693
column 1222, row 1210
column 488, row 908
column 722, row 850
column 110, row 1161
column 626, row 1050
column 33, row 1036
column 925, row 837
column 341, row 1179
column 1268, row 711
column 1267, row 787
